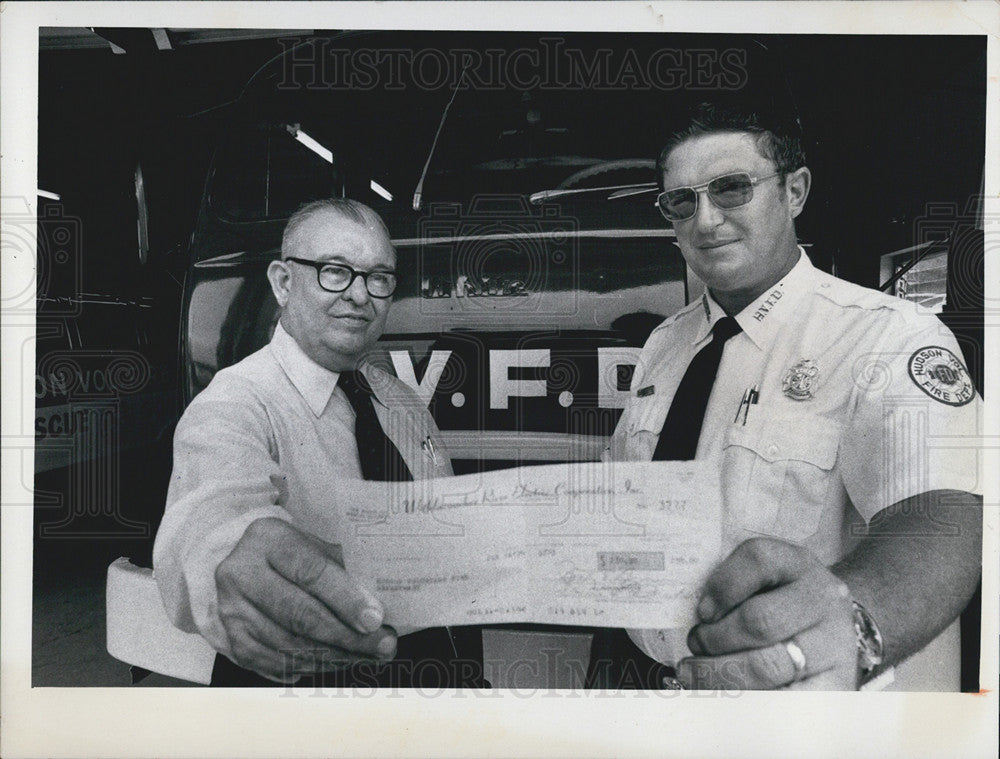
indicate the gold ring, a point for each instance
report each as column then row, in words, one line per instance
column 798, row 659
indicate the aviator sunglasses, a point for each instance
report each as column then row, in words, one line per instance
column 728, row 191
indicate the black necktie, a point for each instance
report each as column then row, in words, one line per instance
column 380, row 459
column 615, row 661
column 457, row 650
column 682, row 428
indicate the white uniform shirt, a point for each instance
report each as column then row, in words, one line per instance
column 863, row 401
column 268, row 436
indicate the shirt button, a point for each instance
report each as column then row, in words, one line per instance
column 772, row 450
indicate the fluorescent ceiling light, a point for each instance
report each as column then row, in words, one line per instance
column 380, row 190
column 309, row 142
column 47, row 194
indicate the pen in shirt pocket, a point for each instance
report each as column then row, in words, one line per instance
column 428, row 448
column 750, row 397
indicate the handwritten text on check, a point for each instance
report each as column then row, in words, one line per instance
column 603, row 544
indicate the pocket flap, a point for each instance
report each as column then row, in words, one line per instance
column 810, row 439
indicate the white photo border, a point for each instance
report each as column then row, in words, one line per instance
column 207, row 722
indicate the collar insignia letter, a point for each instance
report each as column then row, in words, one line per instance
column 798, row 381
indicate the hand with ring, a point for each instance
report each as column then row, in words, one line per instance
column 771, row 615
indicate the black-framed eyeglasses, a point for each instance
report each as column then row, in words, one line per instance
column 727, row 191
column 335, row 278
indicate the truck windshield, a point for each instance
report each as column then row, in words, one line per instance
column 374, row 147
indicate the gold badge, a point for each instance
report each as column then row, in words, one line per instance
column 798, row 381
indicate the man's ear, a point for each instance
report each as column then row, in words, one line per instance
column 797, row 186
column 280, row 277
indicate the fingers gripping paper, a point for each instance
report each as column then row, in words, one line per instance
column 606, row 544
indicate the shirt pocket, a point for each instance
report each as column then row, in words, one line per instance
column 778, row 475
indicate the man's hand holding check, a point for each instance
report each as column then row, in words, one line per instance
column 771, row 615
column 282, row 591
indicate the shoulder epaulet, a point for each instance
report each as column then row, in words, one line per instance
column 848, row 295
column 677, row 316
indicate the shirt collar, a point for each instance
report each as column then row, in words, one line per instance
column 314, row 383
column 761, row 319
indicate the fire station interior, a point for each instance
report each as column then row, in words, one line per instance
column 133, row 125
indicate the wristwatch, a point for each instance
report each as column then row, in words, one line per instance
column 870, row 646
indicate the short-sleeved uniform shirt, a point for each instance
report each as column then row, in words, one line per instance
column 862, row 401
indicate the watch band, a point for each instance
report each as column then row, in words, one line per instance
column 871, row 648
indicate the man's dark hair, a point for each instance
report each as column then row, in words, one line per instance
column 778, row 137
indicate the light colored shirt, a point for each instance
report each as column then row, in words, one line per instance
column 268, row 436
column 863, row 401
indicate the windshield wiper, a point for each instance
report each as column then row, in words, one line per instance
column 618, row 191
column 630, row 193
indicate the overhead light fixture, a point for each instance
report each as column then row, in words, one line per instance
column 49, row 195
column 309, row 142
column 380, row 190
column 162, row 39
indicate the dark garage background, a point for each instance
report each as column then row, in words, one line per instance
column 895, row 139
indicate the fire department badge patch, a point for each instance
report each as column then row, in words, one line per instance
column 798, row 381
column 939, row 373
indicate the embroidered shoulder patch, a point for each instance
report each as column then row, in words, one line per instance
column 939, row 373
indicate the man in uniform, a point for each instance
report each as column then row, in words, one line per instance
column 843, row 424
column 293, row 424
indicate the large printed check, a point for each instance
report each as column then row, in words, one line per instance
column 602, row 544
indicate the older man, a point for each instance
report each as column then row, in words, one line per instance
column 295, row 424
column 843, row 423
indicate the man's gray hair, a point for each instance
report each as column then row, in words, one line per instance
column 345, row 208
